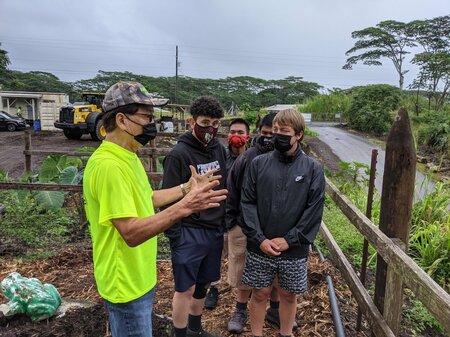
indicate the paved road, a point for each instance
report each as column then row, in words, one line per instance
column 349, row 147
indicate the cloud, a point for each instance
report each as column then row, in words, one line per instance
column 216, row 39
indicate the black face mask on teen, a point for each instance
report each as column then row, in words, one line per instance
column 148, row 132
column 266, row 143
column 282, row 142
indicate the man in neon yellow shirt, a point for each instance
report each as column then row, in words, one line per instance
column 120, row 208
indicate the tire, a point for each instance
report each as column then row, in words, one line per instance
column 11, row 127
column 99, row 132
column 72, row 134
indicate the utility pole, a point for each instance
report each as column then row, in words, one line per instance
column 177, row 64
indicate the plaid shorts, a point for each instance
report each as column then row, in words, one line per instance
column 260, row 272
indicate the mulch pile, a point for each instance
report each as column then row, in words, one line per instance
column 71, row 272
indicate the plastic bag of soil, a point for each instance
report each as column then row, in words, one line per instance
column 29, row 296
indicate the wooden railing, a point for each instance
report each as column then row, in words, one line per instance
column 434, row 298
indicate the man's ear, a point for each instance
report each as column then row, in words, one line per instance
column 120, row 120
column 191, row 122
column 299, row 136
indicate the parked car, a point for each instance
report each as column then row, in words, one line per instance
column 11, row 123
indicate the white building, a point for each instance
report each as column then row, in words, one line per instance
column 278, row 107
column 42, row 106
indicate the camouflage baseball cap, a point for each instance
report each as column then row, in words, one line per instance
column 124, row 93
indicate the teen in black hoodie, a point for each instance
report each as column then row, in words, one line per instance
column 196, row 241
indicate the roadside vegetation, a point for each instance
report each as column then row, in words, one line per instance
column 429, row 241
column 372, row 109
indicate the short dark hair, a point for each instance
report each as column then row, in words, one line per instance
column 206, row 106
column 240, row 121
column 109, row 118
column 267, row 120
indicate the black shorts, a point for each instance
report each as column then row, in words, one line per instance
column 196, row 257
column 260, row 272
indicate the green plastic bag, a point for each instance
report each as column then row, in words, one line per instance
column 29, row 296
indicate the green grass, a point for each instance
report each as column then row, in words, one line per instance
column 345, row 233
column 429, row 240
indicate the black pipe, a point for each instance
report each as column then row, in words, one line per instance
column 339, row 329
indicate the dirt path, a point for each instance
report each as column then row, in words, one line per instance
column 12, row 145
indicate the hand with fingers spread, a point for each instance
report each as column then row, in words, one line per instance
column 201, row 179
column 201, row 195
column 270, row 248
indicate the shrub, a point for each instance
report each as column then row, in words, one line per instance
column 371, row 108
column 434, row 130
column 430, row 234
column 251, row 117
column 334, row 103
column 29, row 224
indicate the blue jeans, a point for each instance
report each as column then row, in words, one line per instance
column 132, row 319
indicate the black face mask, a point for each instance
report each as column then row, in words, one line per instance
column 148, row 133
column 282, row 142
column 266, row 143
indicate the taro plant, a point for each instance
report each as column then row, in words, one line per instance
column 58, row 169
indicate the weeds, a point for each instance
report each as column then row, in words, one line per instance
column 419, row 319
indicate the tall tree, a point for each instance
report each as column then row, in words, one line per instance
column 4, row 63
column 389, row 39
column 434, row 62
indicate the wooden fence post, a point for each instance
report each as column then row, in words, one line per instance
column 153, row 158
column 395, row 214
column 365, row 253
column 27, row 139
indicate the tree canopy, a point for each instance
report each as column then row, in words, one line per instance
column 4, row 62
column 394, row 40
column 389, row 39
column 434, row 61
column 238, row 90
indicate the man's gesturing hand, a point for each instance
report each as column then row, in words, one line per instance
column 201, row 179
column 201, row 195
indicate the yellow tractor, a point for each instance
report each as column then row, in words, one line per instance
column 83, row 117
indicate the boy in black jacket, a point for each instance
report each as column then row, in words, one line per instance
column 282, row 202
column 197, row 240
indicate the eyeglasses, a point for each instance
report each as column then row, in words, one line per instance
column 149, row 116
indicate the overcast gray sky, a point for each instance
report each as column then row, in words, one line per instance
column 73, row 39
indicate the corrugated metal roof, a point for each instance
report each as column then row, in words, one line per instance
column 15, row 94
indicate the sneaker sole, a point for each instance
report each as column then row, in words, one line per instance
column 235, row 331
